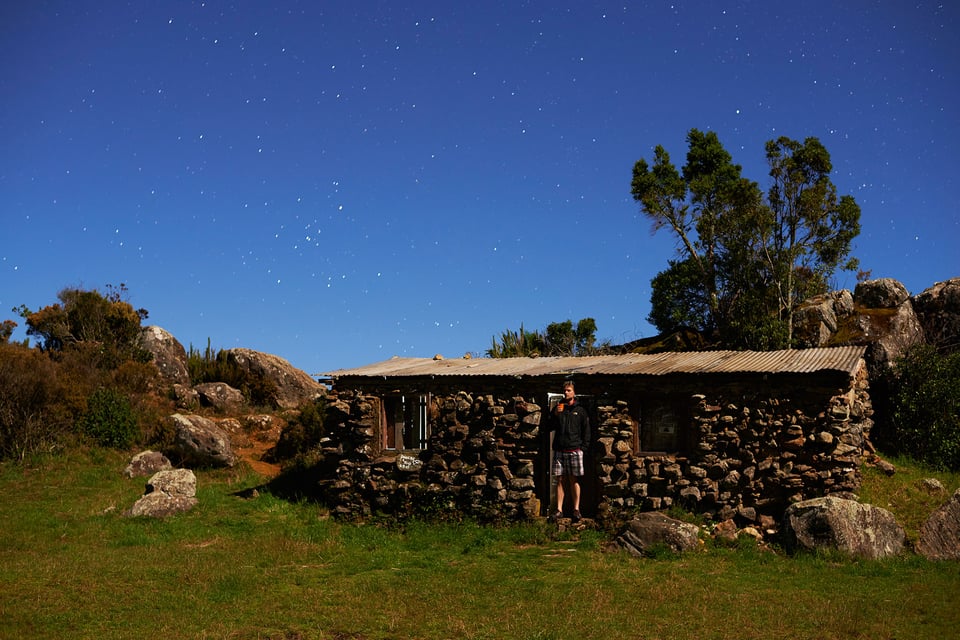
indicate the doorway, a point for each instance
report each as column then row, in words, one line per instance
column 546, row 482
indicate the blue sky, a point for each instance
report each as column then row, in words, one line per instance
column 340, row 182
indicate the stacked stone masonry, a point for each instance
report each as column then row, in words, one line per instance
column 752, row 450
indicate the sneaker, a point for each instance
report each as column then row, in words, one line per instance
column 555, row 516
column 576, row 516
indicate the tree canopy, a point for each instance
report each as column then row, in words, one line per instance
column 745, row 261
column 88, row 318
column 559, row 339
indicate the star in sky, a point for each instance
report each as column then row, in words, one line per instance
column 337, row 183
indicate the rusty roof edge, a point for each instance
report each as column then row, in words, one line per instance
column 842, row 359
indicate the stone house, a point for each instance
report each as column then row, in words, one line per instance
column 726, row 434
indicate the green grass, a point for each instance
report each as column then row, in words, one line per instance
column 258, row 567
column 904, row 494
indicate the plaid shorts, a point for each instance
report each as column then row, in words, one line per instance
column 568, row 463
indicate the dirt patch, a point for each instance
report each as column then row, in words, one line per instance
column 251, row 437
column 252, row 453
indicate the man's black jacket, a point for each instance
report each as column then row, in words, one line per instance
column 571, row 426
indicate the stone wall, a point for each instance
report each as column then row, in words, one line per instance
column 753, row 450
column 753, row 456
column 480, row 460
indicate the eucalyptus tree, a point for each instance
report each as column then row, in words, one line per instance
column 744, row 263
column 808, row 232
column 708, row 208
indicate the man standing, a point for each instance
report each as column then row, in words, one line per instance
column 571, row 427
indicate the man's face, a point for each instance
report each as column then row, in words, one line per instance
column 568, row 393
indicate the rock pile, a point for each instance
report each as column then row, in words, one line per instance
column 882, row 314
column 290, row 386
column 167, row 493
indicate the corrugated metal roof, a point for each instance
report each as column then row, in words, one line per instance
column 841, row 359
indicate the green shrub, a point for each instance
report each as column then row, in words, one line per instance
column 109, row 419
column 209, row 365
column 302, row 433
column 214, row 365
column 925, row 407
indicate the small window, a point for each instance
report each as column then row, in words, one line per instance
column 661, row 429
column 405, row 421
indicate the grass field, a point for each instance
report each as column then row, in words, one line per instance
column 255, row 566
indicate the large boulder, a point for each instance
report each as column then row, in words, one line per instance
column 168, row 354
column 882, row 293
column 186, row 397
column 889, row 333
column 167, row 493
column 885, row 320
column 649, row 530
column 197, row 441
column 940, row 534
column 173, row 482
column 878, row 314
column 860, row 530
column 817, row 319
column 218, row 395
column 293, row 386
column 938, row 309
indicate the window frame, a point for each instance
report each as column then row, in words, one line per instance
column 656, row 438
column 405, row 421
